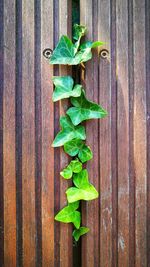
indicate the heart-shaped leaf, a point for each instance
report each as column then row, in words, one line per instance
column 84, row 110
column 64, row 88
column 83, row 190
column 69, row 214
column 75, row 166
column 68, row 132
column 67, row 53
column 66, row 173
column 79, row 232
column 78, row 147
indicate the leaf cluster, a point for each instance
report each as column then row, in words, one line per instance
column 73, row 53
column 72, row 135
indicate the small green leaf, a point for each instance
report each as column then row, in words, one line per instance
column 80, row 179
column 78, row 31
column 79, row 232
column 68, row 132
column 69, row 214
column 97, row 43
column 78, row 147
column 74, row 166
column 67, row 172
column 83, row 190
column 64, row 88
column 84, row 110
column 85, row 154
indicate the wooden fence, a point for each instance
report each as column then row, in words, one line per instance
column 31, row 190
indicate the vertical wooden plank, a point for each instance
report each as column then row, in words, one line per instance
column 18, row 130
column 131, row 137
column 140, row 130
column 114, row 135
column 147, row 30
column 122, row 131
column 105, row 138
column 9, row 136
column 56, row 151
column 28, row 134
column 47, row 30
column 90, row 211
column 1, row 133
column 38, row 131
column 66, row 252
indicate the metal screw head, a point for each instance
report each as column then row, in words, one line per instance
column 104, row 53
column 47, row 52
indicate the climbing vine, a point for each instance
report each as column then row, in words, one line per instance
column 73, row 135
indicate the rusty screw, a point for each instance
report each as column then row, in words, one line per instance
column 47, row 52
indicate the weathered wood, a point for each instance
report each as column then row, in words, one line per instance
column 122, row 131
column 131, row 138
column 28, row 135
column 1, row 134
column 140, row 132
column 47, row 138
column 105, row 139
column 9, row 170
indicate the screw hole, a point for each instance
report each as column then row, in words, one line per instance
column 47, row 52
column 104, row 53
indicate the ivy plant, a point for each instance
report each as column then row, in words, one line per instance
column 72, row 135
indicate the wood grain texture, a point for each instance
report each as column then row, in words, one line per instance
column 9, row 137
column 122, row 137
column 47, row 138
column 105, row 139
column 28, row 135
column 140, row 131
column 1, row 134
column 122, row 132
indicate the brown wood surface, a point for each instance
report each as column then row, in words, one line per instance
column 105, row 140
column 122, row 135
column 47, row 109
column 9, row 168
column 31, row 189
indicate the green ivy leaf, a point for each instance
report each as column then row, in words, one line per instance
column 67, row 172
column 72, row 54
column 79, row 232
column 69, row 214
column 75, row 166
column 64, row 52
column 78, row 32
column 85, row 52
column 64, row 88
column 84, row 110
column 78, row 147
column 83, row 190
column 68, row 132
